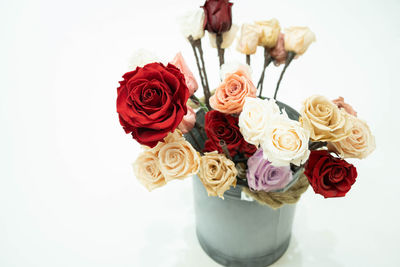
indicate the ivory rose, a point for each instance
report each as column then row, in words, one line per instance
column 140, row 58
column 324, row 120
column 227, row 37
column 177, row 158
column 229, row 97
column 192, row 24
column 341, row 104
column 254, row 118
column 232, row 67
column 188, row 121
column 359, row 144
column 298, row 39
column 269, row 34
column 285, row 142
column 248, row 39
column 180, row 63
column 147, row 170
column 217, row 173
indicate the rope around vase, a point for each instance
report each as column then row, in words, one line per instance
column 277, row 199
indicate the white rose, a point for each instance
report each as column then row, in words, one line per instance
column 255, row 117
column 270, row 30
column 248, row 39
column 192, row 24
column 298, row 39
column 227, row 37
column 140, row 58
column 285, row 142
column 234, row 66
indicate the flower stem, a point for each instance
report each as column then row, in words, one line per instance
column 267, row 61
column 248, row 60
column 221, row 51
column 198, row 102
column 222, row 143
column 289, row 58
column 203, row 76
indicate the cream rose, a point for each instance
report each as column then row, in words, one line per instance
column 230, row 95
column 298, row 39
column 324, row 120
column 269, row 34
column 217, row 173
column 254, row 118
column 359, row 144
column 147, row 170
column 248, row 39
column 192, row 24
column 177, row 158
column 234, row 66
column 285, row 142
column 227, row 37
column 140, row 58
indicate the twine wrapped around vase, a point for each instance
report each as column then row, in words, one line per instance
column 277, row 199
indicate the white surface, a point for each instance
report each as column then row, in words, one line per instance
column 68, row 196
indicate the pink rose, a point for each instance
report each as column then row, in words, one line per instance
column 188, row 121
column 180, row 63
column 230, row 96
column 278, row 53
column 341, row 104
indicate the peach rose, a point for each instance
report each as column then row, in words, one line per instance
column 180, row 63
column 341, row 104
column 147, row 170
column 177, row 158
column 324, row 119
column 230, row 96
column 278, row 53
column 188, row 121
column 359, row 144
column 217, row 173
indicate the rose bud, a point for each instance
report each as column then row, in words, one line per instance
column 263, row 176
column 298, row 39
column 192, row 24
column 341, row 104
column 329, row 176
column 180, row 63
column 227, row 37
column 248, row 39
column 218, row 16
column 140, row 58
column 188, row 121
column 278, row 53
column 270, row 30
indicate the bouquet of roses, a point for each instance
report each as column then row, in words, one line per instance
column 233, row 135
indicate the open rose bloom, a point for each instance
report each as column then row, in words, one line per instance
column 227, row 133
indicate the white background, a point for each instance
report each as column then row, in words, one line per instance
column 68, row 196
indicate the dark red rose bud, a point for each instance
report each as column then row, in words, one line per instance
column 220, row 126
column 329, row 176
column 151, row 102
column 218, row 17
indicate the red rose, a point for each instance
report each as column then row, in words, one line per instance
column 218, row 16
column 152, row 102
column 220, row 126
column 329, row 176
column 247, row 149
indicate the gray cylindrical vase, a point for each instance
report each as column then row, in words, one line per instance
column 237, row 232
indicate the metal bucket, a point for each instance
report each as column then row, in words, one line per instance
column 236, row 232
